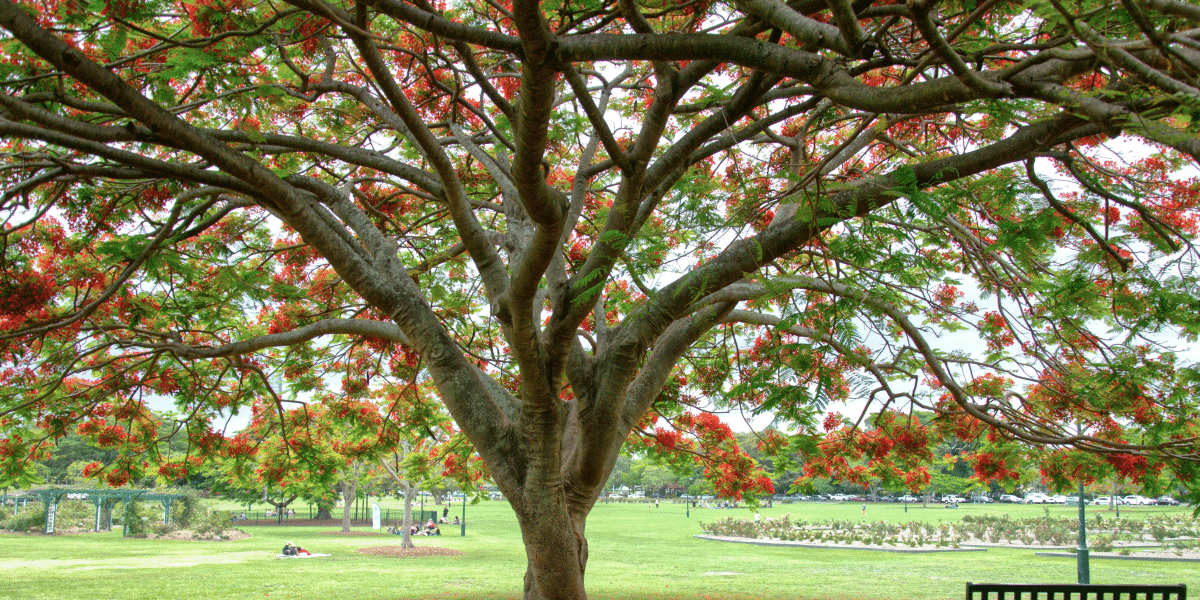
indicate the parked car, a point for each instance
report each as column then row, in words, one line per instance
column 1036, row 498
column 1140, row 501
column 981, row 499
column 953, row 499
column 908, row 498
column 1010, row 499
column 1059, row 499
column 1167, row 500
column 1105, row 500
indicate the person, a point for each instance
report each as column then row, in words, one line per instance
column 864, row 511
column 456, row 521
column 756, row 517
column 289, row 549
column 445, row 513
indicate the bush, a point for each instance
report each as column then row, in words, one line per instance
column 29, row 520
column 189, row 510
column 135, row 522
column 215, row 523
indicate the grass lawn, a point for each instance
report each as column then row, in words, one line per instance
column 636, row 552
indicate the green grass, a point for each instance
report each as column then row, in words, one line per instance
column 636, row 552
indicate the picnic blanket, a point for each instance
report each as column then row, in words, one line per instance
column 301, row 555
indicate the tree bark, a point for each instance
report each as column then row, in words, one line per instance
column 348, row 490
column 406, row 524
column 556, row 549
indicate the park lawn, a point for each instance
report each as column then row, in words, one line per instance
column 635, row 552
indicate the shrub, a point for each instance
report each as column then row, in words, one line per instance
column 29, row 520
column 215, row 523
column 189, row 510
column 134, row 521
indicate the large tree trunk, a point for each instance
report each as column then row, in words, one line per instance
column 557, row 552
column 348, row 490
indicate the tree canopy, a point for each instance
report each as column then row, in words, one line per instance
column 591, row 221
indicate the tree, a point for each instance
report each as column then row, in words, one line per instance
column 587, row 221
column 430, row 452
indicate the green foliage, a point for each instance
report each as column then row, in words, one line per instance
column 134, row 520
column 187, row 510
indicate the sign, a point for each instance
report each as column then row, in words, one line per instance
column 375, row 524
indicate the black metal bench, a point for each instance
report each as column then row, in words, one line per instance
column 1074, row 591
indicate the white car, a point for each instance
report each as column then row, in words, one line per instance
column 1037, row 498
column 952, row 499
column 1010, row 499
column 1059, row 499
column 907, row 498
column 1140, row 500
column 1105, row 501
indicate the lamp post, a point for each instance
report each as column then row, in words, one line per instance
column 1082, row 567
column 1081, row 553
column 463, row 533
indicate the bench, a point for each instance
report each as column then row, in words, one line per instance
column 1074, row 591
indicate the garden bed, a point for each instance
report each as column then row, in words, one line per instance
column 228, row 535
column 400, row 552
column 853, row 545
column 1177, row 534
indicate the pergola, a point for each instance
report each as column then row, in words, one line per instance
column 101, row 499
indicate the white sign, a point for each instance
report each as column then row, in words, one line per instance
column 375, row 524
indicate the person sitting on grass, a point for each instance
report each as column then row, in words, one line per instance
column 290, row 549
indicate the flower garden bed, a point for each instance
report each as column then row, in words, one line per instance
column 1175, row 534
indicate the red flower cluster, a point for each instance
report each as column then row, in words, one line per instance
column 24, row 292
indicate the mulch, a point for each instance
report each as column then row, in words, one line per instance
column 399, row 552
